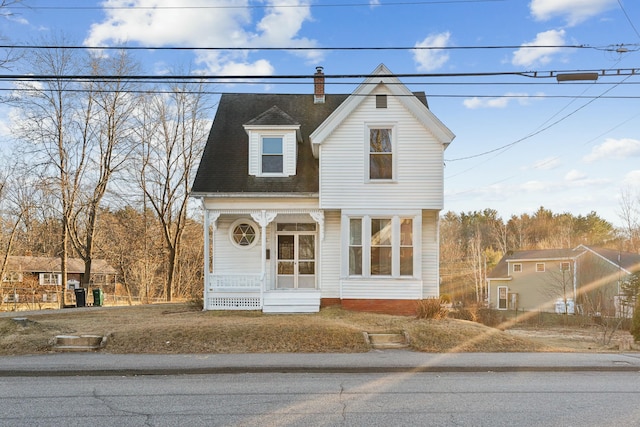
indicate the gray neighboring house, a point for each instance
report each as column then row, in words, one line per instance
column 585, row 279
column 323, row 199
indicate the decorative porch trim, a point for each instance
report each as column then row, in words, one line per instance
column 263, row 218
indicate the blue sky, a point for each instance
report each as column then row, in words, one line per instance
column 521, row 142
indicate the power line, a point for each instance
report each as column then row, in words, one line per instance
column 226, row 78
column 612, row 48
column 254, row 6
column 628, row 18
column 215, row 92
column 539, row 131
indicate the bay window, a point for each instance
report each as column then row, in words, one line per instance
column 387, row 250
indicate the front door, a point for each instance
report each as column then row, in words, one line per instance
column 502, row 297
column 296, row 263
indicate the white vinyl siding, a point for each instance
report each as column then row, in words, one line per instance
column 289, row 152
column 429, row 255
column 231, row 259
column 344, row 162
column 330, row 251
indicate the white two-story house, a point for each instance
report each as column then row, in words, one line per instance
column 319, row 199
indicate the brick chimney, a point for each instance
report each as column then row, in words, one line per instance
column 318, row 86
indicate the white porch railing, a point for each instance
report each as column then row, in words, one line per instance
column 234, row 292
column 229, row 282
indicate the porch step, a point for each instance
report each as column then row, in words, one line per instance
column 291, row 301
column 387, row 341
column 79, row 342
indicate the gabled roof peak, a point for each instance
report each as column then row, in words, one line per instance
column 274, row 116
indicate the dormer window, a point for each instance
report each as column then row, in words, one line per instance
column 272, row 154
column 273, row 144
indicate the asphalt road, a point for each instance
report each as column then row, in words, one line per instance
column 584, row 398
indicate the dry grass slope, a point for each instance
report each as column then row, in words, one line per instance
column 181, row 328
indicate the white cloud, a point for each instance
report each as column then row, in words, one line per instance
column 527, row 56
column 632, row 179
column 429, row 59
column 499, row 102
column 575, row 175
column 573, row 11
column 234, row 26
column 614, row 149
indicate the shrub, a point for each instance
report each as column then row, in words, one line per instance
column 431, row 309
column 464, row 314
column 635, row 323
column 488, row 317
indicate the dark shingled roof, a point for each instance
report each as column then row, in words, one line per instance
column 224, row 167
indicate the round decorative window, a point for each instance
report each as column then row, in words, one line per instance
column 244, row 233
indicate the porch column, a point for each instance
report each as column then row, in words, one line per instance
column 263, row 218
column 210, row 219
column 319, row 218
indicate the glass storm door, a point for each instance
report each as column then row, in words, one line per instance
column 296, row 261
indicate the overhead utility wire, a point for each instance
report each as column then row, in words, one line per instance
column 529, row 74
column 539, row 131
column 253, row 6
column 628, row 18
column 611, row 48
column 215, row 92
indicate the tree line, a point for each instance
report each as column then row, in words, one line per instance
column 101, row 168
column 472, row 243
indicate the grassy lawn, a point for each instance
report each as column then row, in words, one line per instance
column 182, row 328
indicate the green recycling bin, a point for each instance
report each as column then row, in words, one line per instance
column 98, row 297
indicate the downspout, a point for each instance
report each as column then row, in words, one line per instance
column 206, row 258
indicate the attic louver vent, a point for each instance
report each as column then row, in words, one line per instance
column 381, row 101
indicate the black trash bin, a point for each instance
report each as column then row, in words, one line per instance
column 98, row 297
column 81, row 297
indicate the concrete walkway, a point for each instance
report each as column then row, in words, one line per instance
column 385, row 361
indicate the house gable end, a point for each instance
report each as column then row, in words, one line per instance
column 382, row 76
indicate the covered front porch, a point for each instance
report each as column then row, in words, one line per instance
column 263, row 260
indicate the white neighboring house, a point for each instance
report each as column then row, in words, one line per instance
column 319, row 199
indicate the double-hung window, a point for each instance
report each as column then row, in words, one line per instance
column 50, row 279
column 380, row 153
column 381, row 246
column 272, row 154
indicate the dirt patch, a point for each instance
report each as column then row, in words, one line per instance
column 584, row 339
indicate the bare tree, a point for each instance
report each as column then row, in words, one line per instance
column 173, row 132
column 629, row 213
column 49, row 125
column 107, row 129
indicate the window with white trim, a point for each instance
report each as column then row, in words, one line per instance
column 381, row 246
column 517, row 268
column 540, row 267
column 565, row 266
column 12, row 277
column 355, row 247
column 381, row 150
column 272, row 154
column 244, row 233
column 50, row 279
